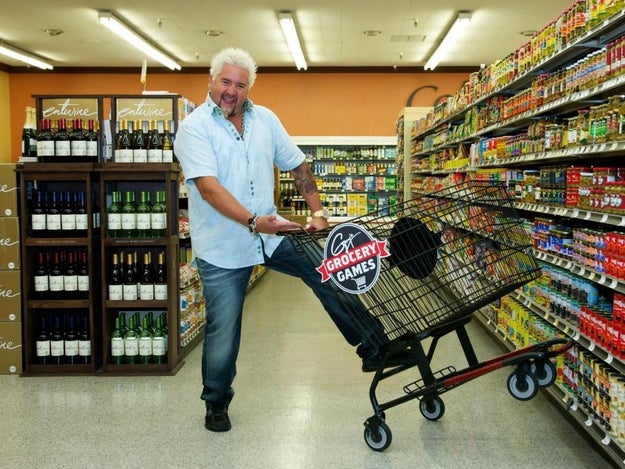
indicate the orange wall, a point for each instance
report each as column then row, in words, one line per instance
column 308, row 103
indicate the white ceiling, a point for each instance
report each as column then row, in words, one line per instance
column 332, row 30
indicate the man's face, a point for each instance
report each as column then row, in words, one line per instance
column 229, row 89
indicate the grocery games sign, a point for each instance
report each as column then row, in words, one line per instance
column 352, row 258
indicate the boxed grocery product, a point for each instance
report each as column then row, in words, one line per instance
column 372, row 202
column 10, row 296
column 10, row 347
column 8, row 190
column 9, row 243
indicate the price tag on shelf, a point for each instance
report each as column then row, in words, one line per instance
column 602, row 147
column 614, row 146
column 606, row 440
column 604, row 218
column 609, row 359
column 573, row 406
column 576, row 336
column 575, row 213
column 613, row 283
column 582, row 271
column 622, row 222
column 591, row 346
column 587, row 215
column 602, row 279
column 588, row 422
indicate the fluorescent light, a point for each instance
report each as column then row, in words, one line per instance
column 462, row 21
column 292, row 40
column 23, row 56
column 114, row 24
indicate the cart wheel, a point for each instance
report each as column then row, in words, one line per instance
column 380, row 440
column 545, row 373
column 432, row 409
column 523, row 386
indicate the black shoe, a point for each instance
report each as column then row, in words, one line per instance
column 374, row 362
column 217, row 419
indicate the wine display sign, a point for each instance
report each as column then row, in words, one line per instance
column 143, row 108
column 68, row 107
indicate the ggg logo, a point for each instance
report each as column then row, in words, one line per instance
column 352, row 258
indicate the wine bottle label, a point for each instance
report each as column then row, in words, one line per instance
column 140, row 156
column 53, row 221
column 131, row 347
column 41, row 283
column 84, row 348
column 45, row 148
column 143, row 221
column 62, row 148
column 114, row 221
column 155, row 156
column 38, row 221
column 78, row 147
column 157, row 220
column 43, row 348
column 123, row 156
column 70, row 282
column 57, row 347
column 56, row 283
column 168, row 156
column 129, row 221
column 92, row 148
column 129, row 292
column 83, row 283
column 117, row 347
column 146, row 291
column 71, row 348
column 145, row 346
column 160, row 291
column 68, row 221
column 158, row 346
column 116, row 292
column 82, row 221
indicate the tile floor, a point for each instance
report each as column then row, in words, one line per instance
column 301, row 401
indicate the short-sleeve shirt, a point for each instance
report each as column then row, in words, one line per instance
column 208, row 144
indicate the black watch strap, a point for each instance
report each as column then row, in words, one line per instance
column 251, row 224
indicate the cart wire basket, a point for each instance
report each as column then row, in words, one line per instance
column 418, row 271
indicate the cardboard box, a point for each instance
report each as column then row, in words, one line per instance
column 9, row 192
column 10, row 348
column 10, row 296
column 9, row 243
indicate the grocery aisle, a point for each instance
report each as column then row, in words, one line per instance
column 301, row 401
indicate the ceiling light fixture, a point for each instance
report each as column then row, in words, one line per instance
column 290, row 34
column 23, row 56
column 462, row 21
column 126, row 32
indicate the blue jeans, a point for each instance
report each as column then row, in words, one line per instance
column 224, row 291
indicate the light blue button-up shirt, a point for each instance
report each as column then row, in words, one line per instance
column 208, row 144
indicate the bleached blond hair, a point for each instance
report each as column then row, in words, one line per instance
column 237, row 57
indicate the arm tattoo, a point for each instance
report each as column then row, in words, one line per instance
column 304, row 180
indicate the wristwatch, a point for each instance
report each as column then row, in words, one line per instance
column 321, row 214
column 251, row 224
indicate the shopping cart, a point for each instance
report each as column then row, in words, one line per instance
column 418, row 271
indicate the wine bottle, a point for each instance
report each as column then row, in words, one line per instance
column 45, row 142
column 38, row 215
column 83, row 277
column 145, row 343
column 57, row 344
column 131, row 343
column 62, row 148
column 123, row 144
column 55, row 277
column 116, row 292
column 144, row 215
column 139, row 144
column 29, row 134
column 70, row 342
column 168, row 144
column 155, row 144
column 43, row 343
column 158, row 217
column 114, row 216
column 129, row 216
column 146, row 279
column 53, row 215
column 117, row 343
column 159, row 343
column 129, row 279
column 70, row 278
column 42, row 285
column 80, row 214
column 68, row 217
column 91, row 136
column 160, row 278
column 78, row 142
column 84, row 341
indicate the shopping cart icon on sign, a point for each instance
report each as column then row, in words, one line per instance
column 420, row 273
